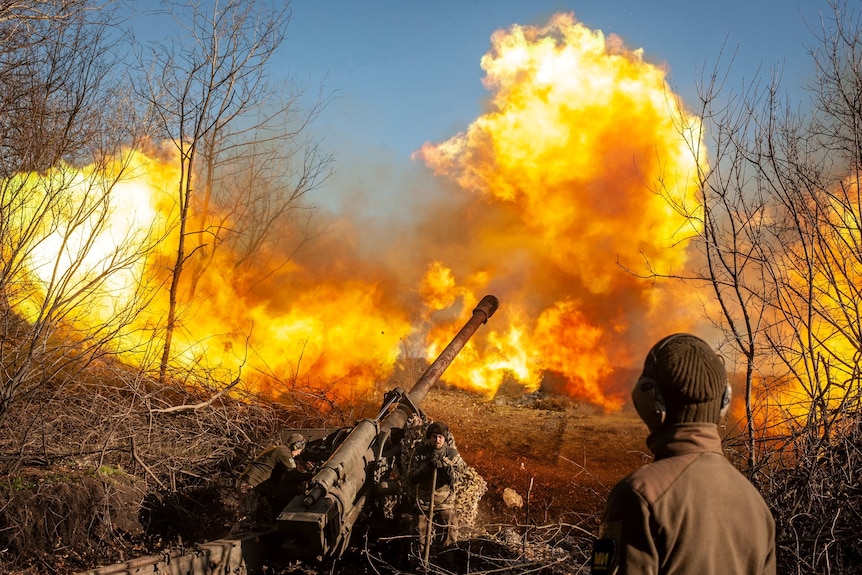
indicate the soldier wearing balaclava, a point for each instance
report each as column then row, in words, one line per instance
column 690, row 510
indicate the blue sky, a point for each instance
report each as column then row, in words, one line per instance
column 405, row 72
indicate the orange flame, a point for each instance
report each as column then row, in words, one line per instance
column 578, row 134
column 312, row 334
column 560, row 176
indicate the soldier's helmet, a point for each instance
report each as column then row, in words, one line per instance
column 438, row 428
column 295, row 441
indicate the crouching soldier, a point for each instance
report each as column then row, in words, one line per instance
column 273, row 478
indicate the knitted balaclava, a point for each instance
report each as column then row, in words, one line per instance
column 690, row 376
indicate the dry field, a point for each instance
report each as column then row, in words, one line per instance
column 560, row 457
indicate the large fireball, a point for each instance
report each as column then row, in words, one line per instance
column 571, row 169
column 553, row 200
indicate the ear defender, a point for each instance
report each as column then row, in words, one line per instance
column 648, row 402
column 725, row 401
column 646, row 396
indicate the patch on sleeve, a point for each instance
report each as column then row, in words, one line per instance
column 604, row 557
column 605, row 550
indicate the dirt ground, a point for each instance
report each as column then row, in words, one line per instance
column 562, row 458
column 557, row 457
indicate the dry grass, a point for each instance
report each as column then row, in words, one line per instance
column 97, row 466
column 112, row 466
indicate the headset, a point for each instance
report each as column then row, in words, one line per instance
column 647, row 397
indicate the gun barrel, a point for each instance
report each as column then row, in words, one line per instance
column 483, row 311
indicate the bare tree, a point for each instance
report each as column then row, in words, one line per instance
column 808, row 215
column 208, row 94
column 736, row 241
column 781, row 245
column 776, row 215
column 254, row 180
column 59, row 110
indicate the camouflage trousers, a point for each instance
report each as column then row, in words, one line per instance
column 442, row 531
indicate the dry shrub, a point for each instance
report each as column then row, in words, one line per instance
column 109, row 460
column 816, row 498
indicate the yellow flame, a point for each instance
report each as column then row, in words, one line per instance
column 579, row 133
column 560, row 176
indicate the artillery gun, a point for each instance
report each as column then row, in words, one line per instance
column 320, row 522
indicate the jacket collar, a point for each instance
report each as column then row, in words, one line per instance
column 680, row 438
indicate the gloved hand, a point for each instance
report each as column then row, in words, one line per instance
column 438, row 460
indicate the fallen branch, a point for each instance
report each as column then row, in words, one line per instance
column 196, row 406
column 140, row 461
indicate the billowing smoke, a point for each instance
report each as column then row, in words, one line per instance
column 550, row 200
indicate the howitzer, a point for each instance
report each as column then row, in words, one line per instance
column 320, row 522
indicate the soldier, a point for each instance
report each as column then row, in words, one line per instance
column 690, row 510
column 431, row 475
column 274, row 477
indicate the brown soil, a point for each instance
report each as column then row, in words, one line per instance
column 562, row 458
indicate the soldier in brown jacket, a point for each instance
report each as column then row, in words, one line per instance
column 689, row 511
